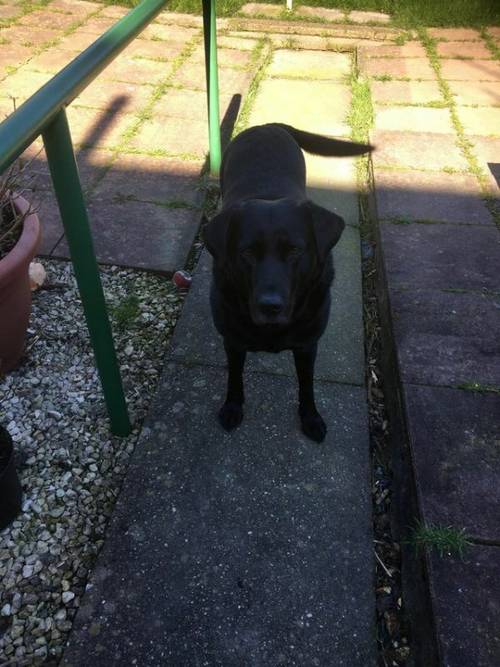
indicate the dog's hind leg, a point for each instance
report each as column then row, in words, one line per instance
column 312, row 422
column 231, row 413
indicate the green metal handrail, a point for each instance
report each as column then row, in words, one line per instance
column 44, row 114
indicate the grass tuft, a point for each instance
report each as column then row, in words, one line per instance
column 446, row 540
column 126, row 312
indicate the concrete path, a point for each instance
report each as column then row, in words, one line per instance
column 252, row 548
column 244, row 531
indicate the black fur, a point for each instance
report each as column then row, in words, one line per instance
column 272, row 262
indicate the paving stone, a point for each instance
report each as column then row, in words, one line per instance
column 310, row 65
column 76, row 9
column 408, row 92
column 446, row 338
column 411, row 49
column 13, row 55
column 169, row 33
column 465, row 598
column 340, row 350
column 332, row 183
column 225, row 57
column 484, row 121
column 324, row 13
column 487, row 149
column 455, row 438
column 178, row 136
column 47, row 19
column 102, row 94
column 414, row 119
column 417, row 195
column 234, row 42
column 50, row 220
column 417, row 150
column 231, row 81
column 53, row 60
column 470, row 70
column 99, row 127
column 161, row 242
column 407, row 68
column 187, row 104
column 138, row 71
column 152, row 179
column 463, row 50
column 455, row 34
column 147, row 49
column 7, row 12
column 30, row 36
column 78, row 41
column 494, row 31
column 114, row 11
column 267, row 536
column 368, row 17
column 458, row 257
column 98, row 25
column 476, row 92
column 323, row 106
column 260, row 9
column 23, row 84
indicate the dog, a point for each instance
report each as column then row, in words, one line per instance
column 272, row 267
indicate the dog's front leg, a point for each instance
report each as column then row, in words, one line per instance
column 312, row 423
column 231, row 413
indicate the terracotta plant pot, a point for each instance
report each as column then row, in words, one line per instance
column 15, row 293
column 10, row 486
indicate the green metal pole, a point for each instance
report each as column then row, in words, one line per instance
column 64, row 172
column 210, row 34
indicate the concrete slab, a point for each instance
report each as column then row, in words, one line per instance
column 470, row 70
column 323, row 105
column 417, row 195
column 335, row 15
column 484, row 121
column 485, row 93
column 177, row 137
column 441, row 256
column 465, row 600
column 261, row 9
column 411, row 68
column 140, row 234
column 414, row 119
column 340, row 351
column 411, row 49
column 455, row 34
column 369, row 17
column 310, row 64
column 150, row 178
column 463, row 50
column 487, row 149
column 405, row 92
column 455, row 442
column 332, row 183
column 417, row 150
column 246, row 548
column 447, row 338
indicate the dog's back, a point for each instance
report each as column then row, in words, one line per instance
column 266, row 162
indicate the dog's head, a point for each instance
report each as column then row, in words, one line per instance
column 272, row 251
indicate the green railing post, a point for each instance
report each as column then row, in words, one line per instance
column 64, row 172
column 210, row 34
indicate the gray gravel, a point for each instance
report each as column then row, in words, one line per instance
column 71, row 467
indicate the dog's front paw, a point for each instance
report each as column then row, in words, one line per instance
column 230, row 415
column 313, row 426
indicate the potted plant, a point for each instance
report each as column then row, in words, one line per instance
column 19, row 239
column 10, row 486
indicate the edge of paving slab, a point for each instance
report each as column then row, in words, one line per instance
column 415, row 569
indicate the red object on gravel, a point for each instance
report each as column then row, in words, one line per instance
column 182, row 279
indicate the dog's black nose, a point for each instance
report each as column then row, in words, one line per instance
column 270, row 304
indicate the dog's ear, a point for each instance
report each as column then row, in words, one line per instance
column 327, row 227
column 215, row 234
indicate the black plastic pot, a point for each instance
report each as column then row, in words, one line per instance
column 10, row 486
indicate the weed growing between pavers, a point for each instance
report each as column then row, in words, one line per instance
column 462, row 142
column 446, row 540
column 479, row 387
column 392, row 631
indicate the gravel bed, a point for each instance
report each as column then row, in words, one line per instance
column 70, row 465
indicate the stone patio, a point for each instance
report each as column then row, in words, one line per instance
column 140, row 134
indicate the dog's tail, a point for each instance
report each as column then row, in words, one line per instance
column 318, row 144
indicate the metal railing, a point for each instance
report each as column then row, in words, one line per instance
column 44, row 113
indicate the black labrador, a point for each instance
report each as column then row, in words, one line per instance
column 272, row 262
